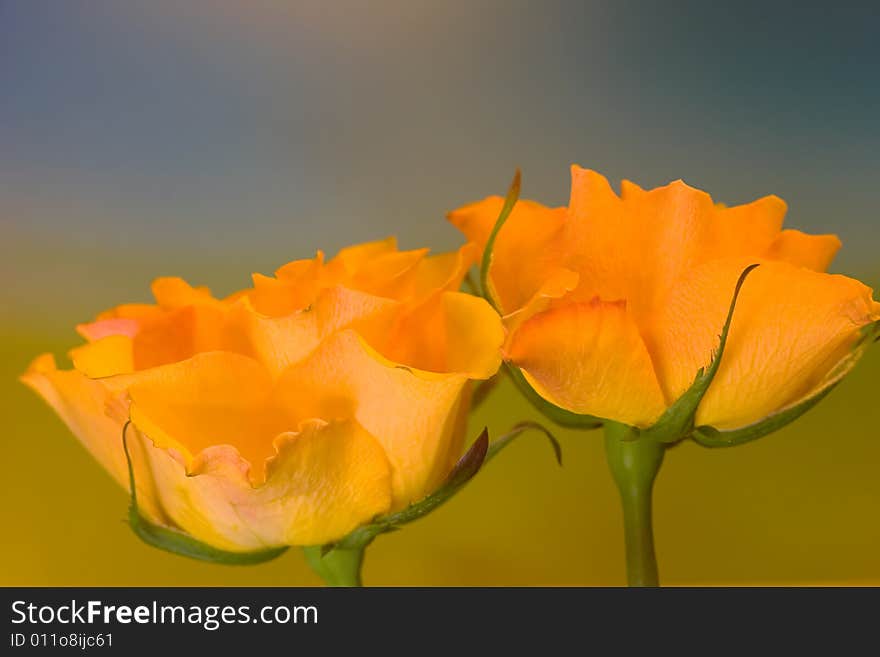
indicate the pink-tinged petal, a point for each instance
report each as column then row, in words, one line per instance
column 324, row 480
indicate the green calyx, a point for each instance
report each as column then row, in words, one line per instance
column 678, row 420
column 179, row 543
column 477, row 456
column 510, row 201
column 711, row 437
column 339, row 563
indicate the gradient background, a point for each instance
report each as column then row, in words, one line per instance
column 212, row 139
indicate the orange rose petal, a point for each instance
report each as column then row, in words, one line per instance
column 350, row 259
column 171, row 292
column 390, row 275
column 279, row 342
column 136, row 311
column 474, row 335
column 477, row 219
column 633, row 249
column 325, row 480
column 589, row 358
column 558, row 284
column 106, row 356
column 790, row 327
column 450, row 332
column 744, row 230
column 214, row 398
column 302, row 271
column 275, row 297
column 413, row 414
column 102, row 328
column 82, row 404
column 814, row 252
column 179, row 334
column 525, row 248
column 444, row 271
column 629, row 190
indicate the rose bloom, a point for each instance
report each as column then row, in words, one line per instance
column 614, row 303
column 290, row 413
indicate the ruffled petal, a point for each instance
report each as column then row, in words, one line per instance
column 214, row 398
column 323, row 481
column 413, row 414
column 633, row 248
column 171, row 292
column 449, row 332
column 814, row 252
column 744, row 230
column 281, row 341
column 444, row 271
column 107, row 356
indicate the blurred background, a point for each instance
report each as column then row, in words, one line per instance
column 213, row 139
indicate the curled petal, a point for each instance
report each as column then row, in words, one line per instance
column 416, row 416
column 745, row 230
column 449, row 332
column 172, row 292
column 82, row 405
column 281, row 341
column 633, row 248
column 814, row 252
column 524, row 250
column 214, row 398
column 324, row 480
column 589, row 358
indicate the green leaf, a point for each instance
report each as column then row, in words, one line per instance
column 711, row 437
column 177, row 542
column 552, row 412
column 678, row 420
column 506, row 209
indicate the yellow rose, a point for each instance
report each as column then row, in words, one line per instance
column 289, row 413
column 614, row 304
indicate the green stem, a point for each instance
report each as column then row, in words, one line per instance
column 634, row 464
column 339, row 566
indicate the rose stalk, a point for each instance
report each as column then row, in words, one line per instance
column 663, row 316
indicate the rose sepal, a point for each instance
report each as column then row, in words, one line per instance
column 709, row 436
column 347, row 553
column 677, row 422
column 486, row 288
